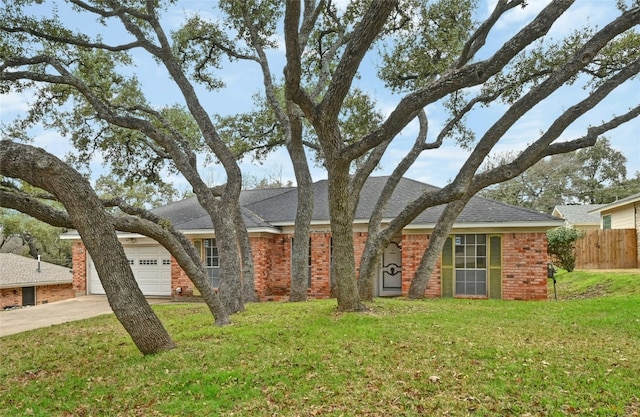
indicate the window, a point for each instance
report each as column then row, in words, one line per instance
column 212, row 261
column 331, row 269
column 148, row 262
column 471, row 265
column 606, row 222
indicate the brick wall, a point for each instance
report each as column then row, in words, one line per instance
column 320, row 265
column 413, row 247
column 523, row 270
column 79, row 264
column 524, row 266
column 44, row 294
column 636, row 208
column 278, row 280
column 272, row 261
column 10, row 297
column 51, row 293
column 359, row 242
column 179, row 279
column 262, row 248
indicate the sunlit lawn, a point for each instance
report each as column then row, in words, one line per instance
column 435, row 357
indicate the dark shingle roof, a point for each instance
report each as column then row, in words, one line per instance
column 273, row 207
column 188, row 214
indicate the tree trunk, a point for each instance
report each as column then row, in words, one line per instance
column 436, row 242
column 377, row 241
column 230, row 289
column 304, row 212
column 138, row 221
column 369, row 267
column 246, row 256
column 45, row 171
column 341, row 212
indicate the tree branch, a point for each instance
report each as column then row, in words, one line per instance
column 467, row 76
column 293, row 69
column 478, row 39
column 365, row 32
column 71, row 40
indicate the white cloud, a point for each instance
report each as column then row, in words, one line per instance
column 12, row 104
column 177, row 15
column 517, row 16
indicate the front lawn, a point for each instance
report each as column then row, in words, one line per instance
column 435, row 357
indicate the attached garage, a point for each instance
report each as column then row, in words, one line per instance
column 151, row 266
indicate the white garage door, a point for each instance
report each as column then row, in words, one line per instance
column 151, row 266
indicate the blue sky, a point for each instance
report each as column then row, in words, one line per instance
column 436, row 167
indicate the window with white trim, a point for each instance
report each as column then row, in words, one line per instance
column 212, row 261
column 471, row 265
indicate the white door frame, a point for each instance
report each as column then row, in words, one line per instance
column 390, row 271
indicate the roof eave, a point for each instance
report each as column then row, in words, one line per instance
column 262, row 229
column 490, row 225
column 35, row 284
column 615, row 205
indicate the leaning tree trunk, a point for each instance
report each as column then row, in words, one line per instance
column 45, row 171
column 378, row 240
column 436, row 242
column 246, row 255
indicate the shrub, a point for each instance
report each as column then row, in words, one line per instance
column 561, row 246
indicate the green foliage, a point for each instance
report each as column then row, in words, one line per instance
column 595, row 175
column 541, row 187
column 138, row 194
column 36, row 237
column 256, row 133
column 439, row 357
column 269, row 180
column 561, row 247
column 261, row 15
column 600, row 167
column 197, row 44
column 428, row 39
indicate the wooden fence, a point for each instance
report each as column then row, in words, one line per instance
column 607, row 249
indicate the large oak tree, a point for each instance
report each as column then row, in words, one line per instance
column 429, row 53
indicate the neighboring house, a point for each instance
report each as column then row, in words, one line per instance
column 495, row 250
column 579, row 216
column 623, row 214
column 27, row 281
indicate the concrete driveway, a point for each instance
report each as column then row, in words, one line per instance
column 44, row 315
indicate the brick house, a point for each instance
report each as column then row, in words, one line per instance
column 25, row 281
column 495, row 250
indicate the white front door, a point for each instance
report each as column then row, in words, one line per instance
column 151, row 266
column 390, row 278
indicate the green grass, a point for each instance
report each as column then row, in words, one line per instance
column 434, row 357
column 582, row 284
